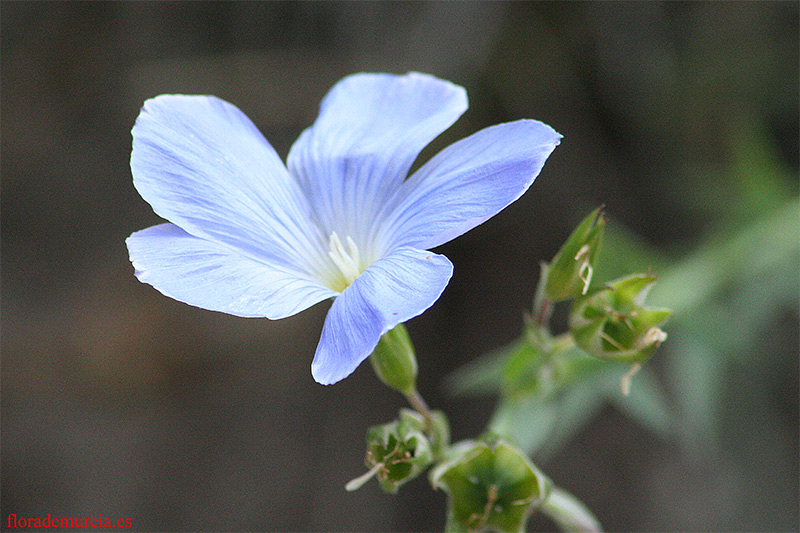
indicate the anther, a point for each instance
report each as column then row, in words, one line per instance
column 347, row 260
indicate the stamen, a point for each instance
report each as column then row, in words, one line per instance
column 348, row 261
column 586, row 271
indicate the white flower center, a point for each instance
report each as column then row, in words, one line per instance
column 347, row 259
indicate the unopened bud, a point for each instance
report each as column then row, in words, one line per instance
column 394, row 360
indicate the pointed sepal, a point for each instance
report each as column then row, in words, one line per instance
column 397, row 452
column 613, row 323
column 569, row 274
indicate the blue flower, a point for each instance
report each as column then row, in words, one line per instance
column 253, row 237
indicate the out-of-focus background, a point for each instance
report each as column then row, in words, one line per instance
column 682, row 118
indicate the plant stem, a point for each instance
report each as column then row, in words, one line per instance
column 541, row 315
column 569, row 512
column 542, row 305
column 419, row 405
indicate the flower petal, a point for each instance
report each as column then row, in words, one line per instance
column 215, row 277
column 468, row 183
column 204, row 166
column 370, row 129
column 394, row 289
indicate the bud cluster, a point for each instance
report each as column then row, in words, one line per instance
column 610, row 322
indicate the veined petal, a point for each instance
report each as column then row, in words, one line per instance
column 394, row 289
column 204, row 166
column 468, row 183
column 212, row 276
column 370, row 129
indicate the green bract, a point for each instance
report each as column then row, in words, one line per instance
column 490, row 487
column 541, row 369
column 612, row 323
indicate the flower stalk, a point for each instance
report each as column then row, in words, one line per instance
column 570, row 513
column 420, row 406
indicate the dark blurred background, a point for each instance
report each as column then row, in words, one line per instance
column 680, row 117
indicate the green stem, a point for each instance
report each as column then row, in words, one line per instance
column 541, row 315
column 419, row 405
column 542, row 305
column 569, row 512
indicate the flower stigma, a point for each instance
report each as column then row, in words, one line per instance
column 347, row 260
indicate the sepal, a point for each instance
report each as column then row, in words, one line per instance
column 399, row 451
column 569, row 274
column 489, row 486
column 612, row 322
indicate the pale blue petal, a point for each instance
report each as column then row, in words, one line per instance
column 204, row 166
column 391, row 291
column 215, row 277
column 370, row 129
column 468, row 183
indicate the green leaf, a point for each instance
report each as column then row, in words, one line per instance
column 699, row 375
column 482, row 376
column 525, row 422
column 753, row 251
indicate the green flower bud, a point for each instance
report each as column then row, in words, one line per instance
column 394, row 361
column 612, row 323
column 489, row 487
column 570, row 272
column 397, row 452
